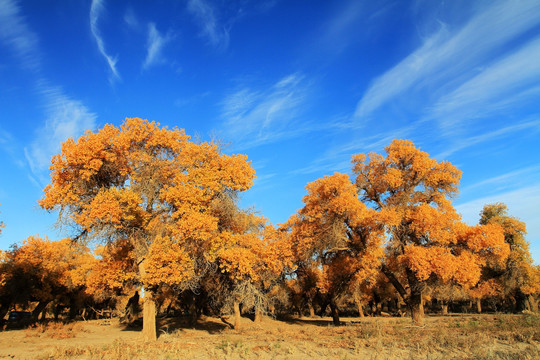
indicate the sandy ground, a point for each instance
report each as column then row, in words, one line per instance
column 32, row 343
column 369, row 338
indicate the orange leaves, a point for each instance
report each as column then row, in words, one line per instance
column 487, row 240
column 407, row 173
column 485, row 288
column 440, row 262
column 45, row 268
column 111, row 206
column 168, row 263
column 114, row 268
column 427, row 221
column 336, row 230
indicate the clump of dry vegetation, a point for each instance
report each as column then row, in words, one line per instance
column 55, row 330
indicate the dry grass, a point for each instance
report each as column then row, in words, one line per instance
column 55, row 330
column 455, row 337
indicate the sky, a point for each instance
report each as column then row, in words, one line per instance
column 298, row 86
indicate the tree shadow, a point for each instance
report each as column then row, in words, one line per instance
column 311, row 321
column 169, row 325
column 173, row 324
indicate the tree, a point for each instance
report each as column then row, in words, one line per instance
column 153, row 187
column 426, row 238
column 516, row 274
column 251, row 261
column 339, row 234
column 41, row 271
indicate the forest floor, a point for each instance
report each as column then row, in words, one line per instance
column 486, row 336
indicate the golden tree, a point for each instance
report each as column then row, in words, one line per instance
column 517, row 274
column 41, row 271
column 250, row 262
column 426, row 237
column 153, row 187
column 337, row 232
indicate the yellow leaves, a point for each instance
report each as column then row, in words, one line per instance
column 485, row 288
column 464, row 268
column 429, row 222
column 167, row 262
column 111, row 206
column 487, row 240
column 151, row 181
column 45, row 268
column 393, row 178
column 113, row 268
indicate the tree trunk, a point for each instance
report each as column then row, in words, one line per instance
column 237, row 316
column 360, row 309
column 444, row 308
column 73, row 308
column 335, row 313
column 311, row 309
column 532, row 303
column 479, row 305
column 149, row 310
column 39, row 309
column 192, row 308
column 4, row 308
column 149, row 318
column 416, row 308
column 258, row 315
column 521, row 300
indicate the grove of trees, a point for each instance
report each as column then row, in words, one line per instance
column 149, row 210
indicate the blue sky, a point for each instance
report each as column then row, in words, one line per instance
column 298, row 86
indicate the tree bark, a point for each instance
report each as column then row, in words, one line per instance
column 149, row 310
column 444, row 307
column 311, row 309
column 4, row 308
column 39, row 309
column 521, row 300
column 416, row 308
column 360, row 309
column 258, row 315
column 335, row 313
column 149, row 318
column 192, row 311
column 479, row 305
column 237, row 316
column 532, row 303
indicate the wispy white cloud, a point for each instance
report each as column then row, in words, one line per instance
column 154, row 46
column 65, row 118
column 255, row 117
column 207, row 18
column 14, row 32
column 463, row 143
column 96, row 9
column 338, row 157
column 503, row 182
column 450, row 55
column 508, row 81
column 351, row 21
column 130, row 19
